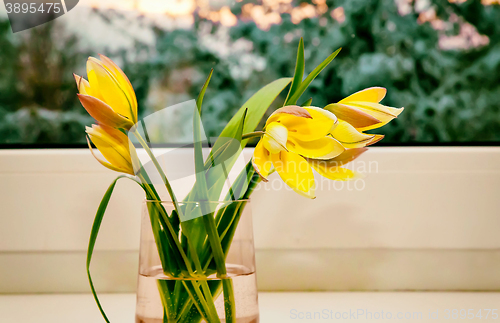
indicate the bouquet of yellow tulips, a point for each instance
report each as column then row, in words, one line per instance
column 193, row 241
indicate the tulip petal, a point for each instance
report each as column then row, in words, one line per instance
column 323, row 148
column 375, row 139
column 261, row 161
column 82, row 84
column 292, row 110
column 275, row 137
column 353, row 115
column 372, row 94
column 118, row 137
column 110, row 90
column 113, row 145
column 332, row 168
column 322, row 114
column 332, row 171
column 105, row 163
column 347, row 156
column 111, row 154
column 349, row 136
column 122, row 80
column 296, row 172
column 304, row 128
column 103, row 113
column 383, row 113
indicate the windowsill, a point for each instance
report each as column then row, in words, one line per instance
column 426, row 218
column 274, row 307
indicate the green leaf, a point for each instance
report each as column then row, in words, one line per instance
column 256, row 107
column 293, row 99
column 191, row 230
column 201, row 183
column 307, row 103
column 299, row 71
column 249, row 115
column 95, row 231
column 244, row 121
column 199, row 100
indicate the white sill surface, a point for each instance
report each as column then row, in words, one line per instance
column 274, row 307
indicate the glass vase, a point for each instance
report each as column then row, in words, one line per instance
column 179, row 278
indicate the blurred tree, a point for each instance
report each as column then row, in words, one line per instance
column 449, row 94
column 37, row 89
column 438, row 59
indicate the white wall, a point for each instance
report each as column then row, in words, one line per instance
column 426, row 218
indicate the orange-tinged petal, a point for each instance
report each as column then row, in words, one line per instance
column 261, row 161
column 383, row 113
column 122, row 80
column 82, row 84
column 349, row 136
column 372, row 94
column 296, row 172
column 331, row 171
column 294, row 110
column 303, row 127
column 347, row 156
column 332, row 168
column 376, row 139
column 323, row 148
column 356, row 117
column 363, row 110
column 109, row 89
column 103, row 113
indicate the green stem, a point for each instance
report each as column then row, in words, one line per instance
column 229, row 302
column 199, row 302
column 220, row 261
column 160, row 171
column 166, row 300
column 211, row 306
column 252, row 135
column 215, row 244
column 171, row 230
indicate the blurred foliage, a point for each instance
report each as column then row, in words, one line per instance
column 37, row 91
column 449, row 95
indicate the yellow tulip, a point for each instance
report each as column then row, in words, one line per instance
column 108, row 95
column 294, row 138
column 359, row 112
column 297, row 139
column 113, row 145
column 332, row 169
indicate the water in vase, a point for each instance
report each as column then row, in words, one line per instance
column 150, row 308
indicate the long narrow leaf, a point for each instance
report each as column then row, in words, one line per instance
column 249, row 115
column 199, row 100
column 201, row 182
column 299, row 71
column 257, row 106
column 293, row 99
column 307, row 103
column 217, row 176
column 95, row 231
